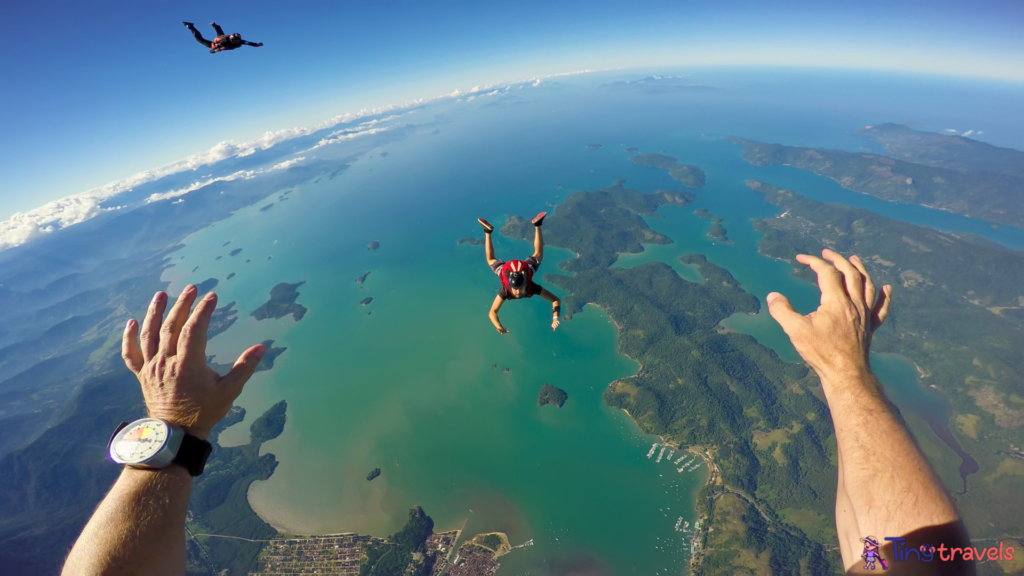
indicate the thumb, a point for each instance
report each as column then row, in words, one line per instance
column 243, row 369
column 782, row 311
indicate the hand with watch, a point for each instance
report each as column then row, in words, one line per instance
column 138, row 527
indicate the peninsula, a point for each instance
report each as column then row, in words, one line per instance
column 702, row 388
column 690, row 176
column 975, row 193
column 282, row 303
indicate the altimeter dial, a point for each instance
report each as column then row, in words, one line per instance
column 140, row 441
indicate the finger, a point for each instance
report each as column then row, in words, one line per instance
column 151, row 325
column 176, row 319
column 881, row 310
column 243, row 369
column 852, row 280
column 130, row 350
column 783, row 313
column 869, row 286
column 192, row 341
column 830, row 281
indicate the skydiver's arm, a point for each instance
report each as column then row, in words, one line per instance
column 495, row 306
column 556, row 306
column 897, row 495
column 139, row 528
column 256, row 44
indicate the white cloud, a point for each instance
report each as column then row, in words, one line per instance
column 349, row 136
column 953, row 130
column 241, row 174
column 58, row 214
column 968, row 133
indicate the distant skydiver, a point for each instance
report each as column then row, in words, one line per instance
column 517, row 275
column 222, row 41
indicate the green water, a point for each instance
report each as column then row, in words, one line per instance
column 412, row 388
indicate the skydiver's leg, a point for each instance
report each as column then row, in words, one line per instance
column 489, row 249
column 220, row 31
column 199, row 37
column 538, row 244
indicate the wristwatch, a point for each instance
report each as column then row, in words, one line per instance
column 153, row 444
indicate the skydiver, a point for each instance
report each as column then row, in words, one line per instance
column 222, row 41
column 517, row 275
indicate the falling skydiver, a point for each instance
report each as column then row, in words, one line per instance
column 222, row 41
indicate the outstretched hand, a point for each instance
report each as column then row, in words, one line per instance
column 177, row 384
column 835, row 338
column 502, row 330
column 554, row 323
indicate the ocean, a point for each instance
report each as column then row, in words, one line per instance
column 418, row 388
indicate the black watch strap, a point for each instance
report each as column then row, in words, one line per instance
column 193, row 454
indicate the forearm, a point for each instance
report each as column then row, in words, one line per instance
column 494, row 320
column 138, row 527
column 889, row 485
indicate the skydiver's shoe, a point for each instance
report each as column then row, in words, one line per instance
column 488, row 228
column 188, row 24
column 539, row 218
column 213, row 23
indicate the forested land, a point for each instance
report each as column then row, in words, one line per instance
column 989, row 195
column 958, row 313
column 699, row 386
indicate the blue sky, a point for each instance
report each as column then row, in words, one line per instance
column 97, row 91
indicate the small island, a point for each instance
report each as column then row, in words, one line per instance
column 362, row 278
column 718, row 232
column 373, row 474
column 235, row 252
column 223, row 245
column 282, row 303
column 206, row 285
column 230, row 276
column 594, row 146
column 691, row 176
column 267, row 207
column 222, row 319
column 551, row 395
column 373, row 245
column 471, row 241
column 383, row 154
column 632, row 150
column 366, row 301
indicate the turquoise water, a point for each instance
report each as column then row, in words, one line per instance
column 412, row 388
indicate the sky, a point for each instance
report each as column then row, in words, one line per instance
column 94, row 92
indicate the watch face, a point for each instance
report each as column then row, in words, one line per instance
column 139, row 441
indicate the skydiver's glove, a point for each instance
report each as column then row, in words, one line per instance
column 258, row 44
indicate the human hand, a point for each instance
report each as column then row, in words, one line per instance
column 835, row 338
column 554, row 323
column 177, row 384
column 259, row 44
column 501, row 330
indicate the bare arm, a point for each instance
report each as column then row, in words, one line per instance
column 139, row 526
column 556, row 306
column 495, row 306
column 886, row 486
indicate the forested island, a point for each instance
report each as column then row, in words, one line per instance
column 945, row 150
column 282, row 303
column 267, row 207
column 373, row 474
column 717, row 231
column 362, row 278
column 366, row 301
column 235, row 252
column 471, row 241
column 697, row 387
column 551, row 395
column 373, row 245
column 958, row 313
column 690, row 176
column 977, row 193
